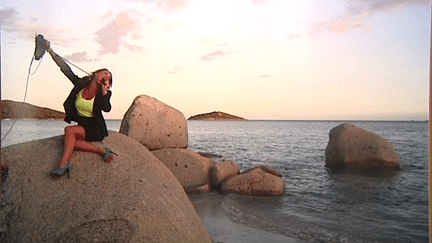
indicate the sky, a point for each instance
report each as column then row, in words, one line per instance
column 257, row 59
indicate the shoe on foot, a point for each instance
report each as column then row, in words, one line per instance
column 108, row 157
column 58, row 172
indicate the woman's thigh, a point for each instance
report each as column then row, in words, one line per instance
column 77, row 131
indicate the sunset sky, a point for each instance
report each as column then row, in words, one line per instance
column 258, row 59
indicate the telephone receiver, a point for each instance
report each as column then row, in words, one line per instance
column 40, row 47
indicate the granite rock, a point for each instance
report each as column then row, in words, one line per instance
column 155, row 124
column 223, row 170
column 351, row 147
column 254, row 182
column 191, row 169
column 135, row 198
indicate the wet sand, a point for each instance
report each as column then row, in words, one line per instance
column 222, row 229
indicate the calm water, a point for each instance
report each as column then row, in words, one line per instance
column 317, row 205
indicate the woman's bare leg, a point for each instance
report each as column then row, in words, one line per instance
column 89, row 147
column 74, row 139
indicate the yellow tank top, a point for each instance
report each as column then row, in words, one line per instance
column 84, row 107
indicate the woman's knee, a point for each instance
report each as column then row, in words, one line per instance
column 77, row 131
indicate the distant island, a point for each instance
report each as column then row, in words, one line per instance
column 19, row 110
column 216, row 116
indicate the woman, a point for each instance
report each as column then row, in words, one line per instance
column 85, row 103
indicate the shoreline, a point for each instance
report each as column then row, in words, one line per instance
column 222, row 229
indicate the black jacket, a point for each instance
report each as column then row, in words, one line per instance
column 102, row 102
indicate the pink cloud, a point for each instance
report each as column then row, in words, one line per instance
column 359, row 7
column 358, row 11
column 12, row 21
column 167, row 5
column 294, row 36
column 110, row 37
column 78, row 57
column 258, row 2
column 175, row 70
column 264, row 76
column 339, row 25
column 213, row 55
column 9, row 19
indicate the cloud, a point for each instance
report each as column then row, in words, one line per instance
column 294, row 36
column 259, row 2
column 213, row 55
column 264, row 76
column 78, row 57
column 111, row 36
column 368, row 7
column 9, row 19
column 358, row 11
column 12, row 22
column 339, row 25
column 167, row 5
column 175, row 70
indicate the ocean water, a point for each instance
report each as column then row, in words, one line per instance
column 318, row 205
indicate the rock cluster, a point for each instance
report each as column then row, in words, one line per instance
column 135, row 198
column 142, row 195
column 146, row 122
column 351, row 147
column 138, row 197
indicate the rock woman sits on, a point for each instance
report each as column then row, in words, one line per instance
column 84, row 105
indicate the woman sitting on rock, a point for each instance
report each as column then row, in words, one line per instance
column 85, row 103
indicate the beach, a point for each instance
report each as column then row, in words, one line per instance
column 223, row 229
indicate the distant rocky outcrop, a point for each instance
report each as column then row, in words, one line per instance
column 135, row 198
column 351, row 147
column 19, row 110
column 216, row 116
column 155, row 124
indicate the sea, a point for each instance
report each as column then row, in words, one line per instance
column 318, row 205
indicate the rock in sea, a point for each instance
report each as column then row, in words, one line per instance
column 223, row 170
column 254, row 182
column 351, row 147
column 191, row 169
column 155, row 124
column 135, row 198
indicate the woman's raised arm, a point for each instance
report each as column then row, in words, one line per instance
column 63, row 65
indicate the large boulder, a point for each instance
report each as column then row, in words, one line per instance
column 135, row 198
column 351, row 147
column 191, row 169
column 155, row 124
column 222, row 171
column 254, row 182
